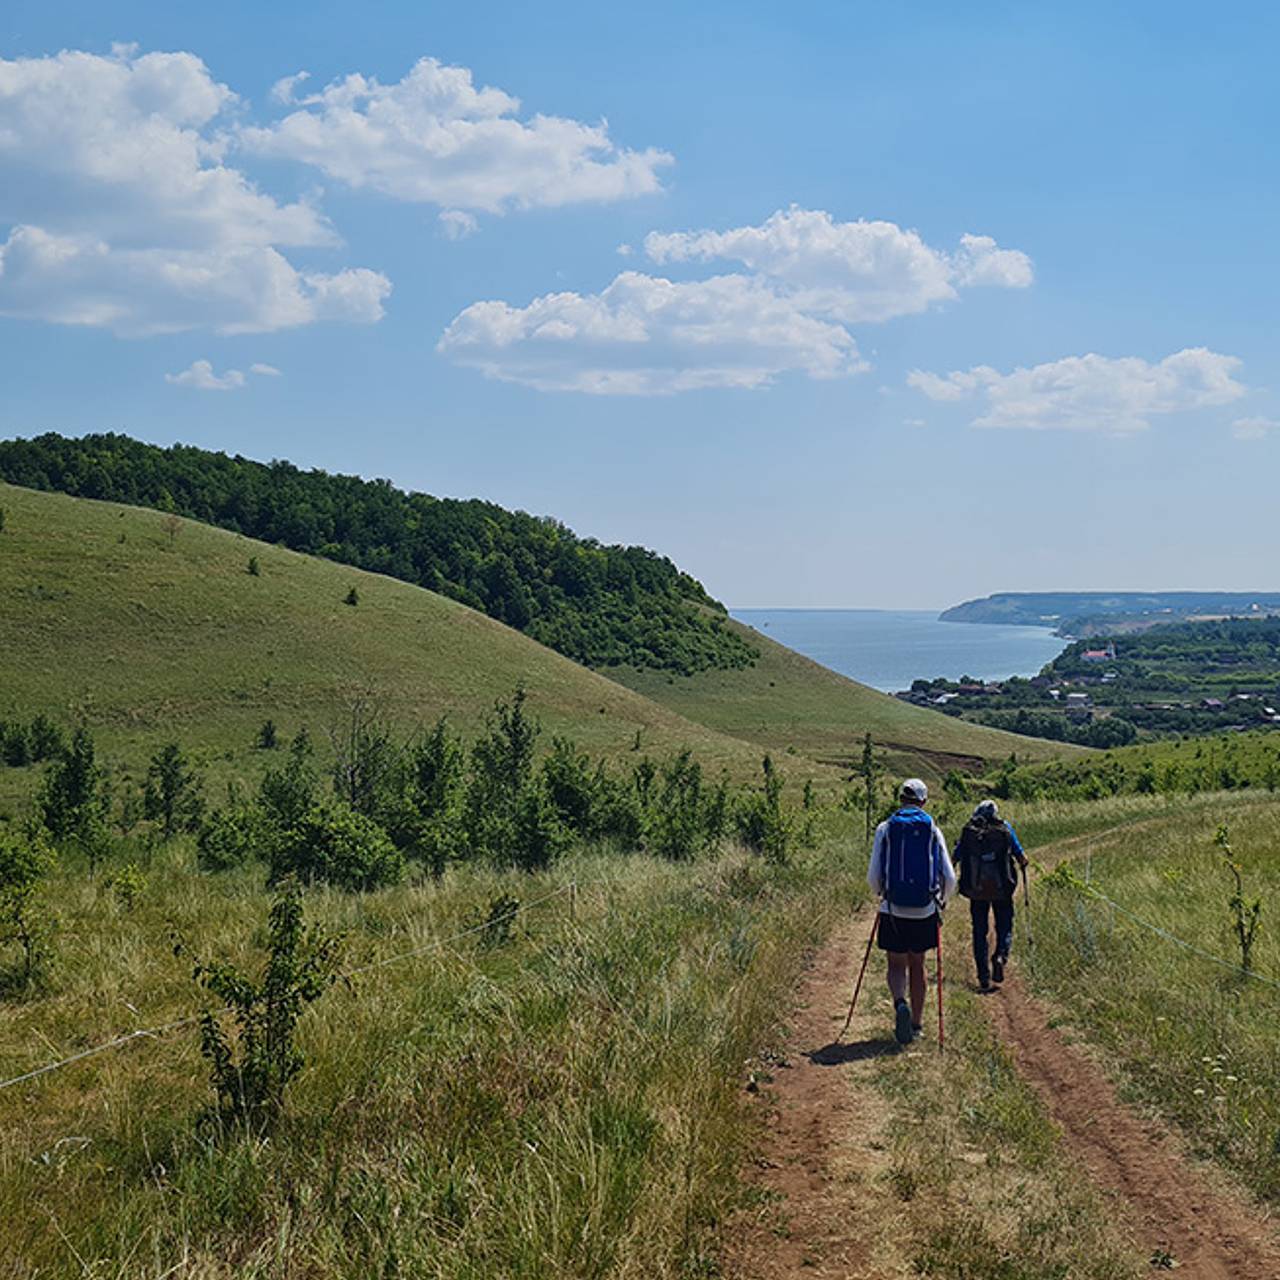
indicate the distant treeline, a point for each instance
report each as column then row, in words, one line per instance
column 600, row 605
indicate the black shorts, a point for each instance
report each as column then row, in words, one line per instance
column 899, row 933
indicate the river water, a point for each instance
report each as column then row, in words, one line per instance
column 887, row 649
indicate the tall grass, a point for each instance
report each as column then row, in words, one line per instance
column 986, row 1190
column 1186, row 1035
column 566, row 1103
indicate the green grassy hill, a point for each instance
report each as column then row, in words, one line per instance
column 151, row 628
column 787, row 701
column 150, row 635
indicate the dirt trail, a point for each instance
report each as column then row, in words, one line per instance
column 823, row 1147
column 822, row 1209
column 1173, row 1205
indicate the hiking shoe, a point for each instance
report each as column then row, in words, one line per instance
column 902, row 1022
column 984, row 985
column 997, row 969
column 917, row 1031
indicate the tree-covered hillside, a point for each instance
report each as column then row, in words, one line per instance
column 600, row 605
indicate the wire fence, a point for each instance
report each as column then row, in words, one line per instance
column 152, row 1033
column 1093, row 892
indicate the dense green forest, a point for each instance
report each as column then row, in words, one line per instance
column 600, row 605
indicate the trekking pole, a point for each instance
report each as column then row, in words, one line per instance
column 1026, row 903
column 875, row 924
column 941, row 1023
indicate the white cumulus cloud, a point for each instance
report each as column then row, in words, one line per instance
column 118, row 209
column 200, row 376
column 434, row 137
column 644, row 335
column 1091, row 392
column 855, row 272
column 1253, row 428
column 808, row 278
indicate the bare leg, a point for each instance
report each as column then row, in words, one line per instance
column 915, row 963
column 898, row 974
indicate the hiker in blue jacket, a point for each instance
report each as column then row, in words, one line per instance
column 911, row 873
column 989, row 855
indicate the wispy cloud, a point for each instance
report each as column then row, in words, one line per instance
column 1253, row 428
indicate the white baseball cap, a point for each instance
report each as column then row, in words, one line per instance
column 914, row 789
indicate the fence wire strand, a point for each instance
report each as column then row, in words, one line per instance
column 151, row 1033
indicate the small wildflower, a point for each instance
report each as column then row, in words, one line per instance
column 1233, row 1079
column 1198, row 1092
column 1206, row 1060
column 1221, row 1097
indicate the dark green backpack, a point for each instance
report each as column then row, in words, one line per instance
column 986, row 850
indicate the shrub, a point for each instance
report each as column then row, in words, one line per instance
column 762, row 824
column 501, row 774
column 126, row 885
column 267, row 738
column 285, row 794
column 677, row 827
column 254, row 568
column 424, row 819
column 72, row 801
column 230, row 838
column 25, row 859
column 15, row 746
column 539, row 835
column 352, row 598
column 172, row 796
column 251, row 1069
column 333, row 844
column 573, row 786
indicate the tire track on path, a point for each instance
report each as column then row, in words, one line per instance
column 817, row 1210
column 1173, row 1204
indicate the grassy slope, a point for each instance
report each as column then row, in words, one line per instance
column 150, row 638
column 1184, row 1034
column 787, row 700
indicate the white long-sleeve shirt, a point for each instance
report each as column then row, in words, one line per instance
column 879, row 847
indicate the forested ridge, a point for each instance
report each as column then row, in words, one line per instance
column 600, row 605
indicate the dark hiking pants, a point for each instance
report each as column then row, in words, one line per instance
column 1003, row 910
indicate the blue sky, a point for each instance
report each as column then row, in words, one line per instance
column 919, row 302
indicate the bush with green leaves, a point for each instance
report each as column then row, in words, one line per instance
column 25, row 923
column 574, row 786
column 72, row 803
column 232, row 837
column 286, row 793
column 539, row 835
column 424, row 819
column 251, row 1067
column 172, row 797
column 267, row 739
column 763, row 824
column 334, row 844
column 502, row 763
column 678, row 822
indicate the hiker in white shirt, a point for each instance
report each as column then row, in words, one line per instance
column 911, row 872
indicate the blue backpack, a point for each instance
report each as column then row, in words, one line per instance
column 912, row 873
